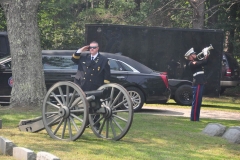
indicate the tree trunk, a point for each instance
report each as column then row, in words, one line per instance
column 213, row 17
column 198, row 14
column 232, row 18
column 106, row 4
column 138, row 2
column 28, row 76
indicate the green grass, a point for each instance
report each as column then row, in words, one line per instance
column 150, row 137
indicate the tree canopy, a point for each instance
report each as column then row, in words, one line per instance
column 61, row 22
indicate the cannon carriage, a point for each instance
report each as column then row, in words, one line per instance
column 67, row 111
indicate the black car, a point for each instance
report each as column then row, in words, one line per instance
column 230, row 72
column 143, row 84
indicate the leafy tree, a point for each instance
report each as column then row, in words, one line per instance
column 3, row 26
column 59, row 27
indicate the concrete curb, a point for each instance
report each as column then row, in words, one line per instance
column 7, row 147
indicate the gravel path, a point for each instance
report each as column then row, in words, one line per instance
column 182, row 112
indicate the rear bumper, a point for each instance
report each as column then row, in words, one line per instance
column 229, row 83
column 5, row 100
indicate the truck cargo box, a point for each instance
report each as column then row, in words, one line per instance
column 162, row 48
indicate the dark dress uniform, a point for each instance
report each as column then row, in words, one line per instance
column 91, row 74
column 198, row 85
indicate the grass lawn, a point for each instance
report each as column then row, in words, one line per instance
column 150, row 137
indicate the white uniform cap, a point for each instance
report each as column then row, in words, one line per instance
column 189, row 52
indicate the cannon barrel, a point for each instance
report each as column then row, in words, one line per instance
column 97, row 93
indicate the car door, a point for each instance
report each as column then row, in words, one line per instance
column 6, row 80
column 118, row 75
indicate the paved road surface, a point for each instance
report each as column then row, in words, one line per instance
column 182, row 112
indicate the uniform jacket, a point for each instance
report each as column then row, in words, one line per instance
column 198, row 66
column 91, row 74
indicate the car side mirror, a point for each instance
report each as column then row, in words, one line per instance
column 2, row 67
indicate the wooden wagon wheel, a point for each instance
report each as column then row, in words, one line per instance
column 65, row 111
column 110, row 121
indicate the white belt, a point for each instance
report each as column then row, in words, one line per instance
column 200, row 72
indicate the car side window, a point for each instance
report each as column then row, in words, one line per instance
column 57, row 62
column 126, row 67
column 114, row 65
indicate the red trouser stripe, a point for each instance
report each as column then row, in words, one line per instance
column 196, row 103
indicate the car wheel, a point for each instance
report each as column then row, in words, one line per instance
column 183, row 95
column 137, row 98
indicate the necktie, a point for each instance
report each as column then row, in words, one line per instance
column 92, row 58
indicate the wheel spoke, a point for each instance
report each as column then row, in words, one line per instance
column 69, row 128
column 62, row 96
column 72, row 99
column 125, row 120
column 123, row 110
column 67, row 95
column 73, row 115
column 51, row 113
column 54, row 95
column 75, row 102
column 51, row 104
column 53, row 121
column 113, row 130
column 115, row 100
column 59, row 124
column 119, row 104
column 111, row 95
column 117, row 124
column 64, row 128
column 74, row 124
column 101, row 127
column 107, row 128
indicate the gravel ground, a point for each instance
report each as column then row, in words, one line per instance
column 183, row 112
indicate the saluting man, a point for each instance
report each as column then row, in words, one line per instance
column 198, row 82
column 93, row 69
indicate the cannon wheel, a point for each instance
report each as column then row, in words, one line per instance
column 65, row 111
column 114, row 121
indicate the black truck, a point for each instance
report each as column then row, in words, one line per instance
column 163, row 49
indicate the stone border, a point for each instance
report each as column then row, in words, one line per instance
column 7, row 147
column 232, row 134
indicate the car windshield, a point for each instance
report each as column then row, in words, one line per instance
column 231, row 61
column 4, row 58
column 58, row 62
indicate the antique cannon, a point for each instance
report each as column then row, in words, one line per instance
column 67, row 111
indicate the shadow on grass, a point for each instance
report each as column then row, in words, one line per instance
column 220, row 107
column 159, row 111
column 210, row 106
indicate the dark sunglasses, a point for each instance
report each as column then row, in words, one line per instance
column 92, row 47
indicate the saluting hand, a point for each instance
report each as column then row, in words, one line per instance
column 85, row 48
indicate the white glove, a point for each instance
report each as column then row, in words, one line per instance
column 79, row 51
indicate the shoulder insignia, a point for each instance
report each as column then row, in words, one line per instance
column 75, row 57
